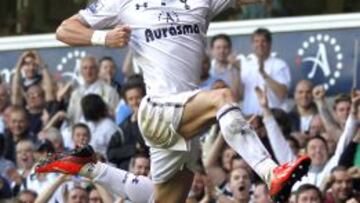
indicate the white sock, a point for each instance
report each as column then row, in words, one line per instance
column 238, row 134
column 139, row 189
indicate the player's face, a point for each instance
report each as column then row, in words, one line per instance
column 309, row 196
column 240, row 183
column 29, row 67
column 89, row 71
column 261, row 46
column 342, row 111
column 142, row 166
column 342, row 186
column 221, row 50
column 107, row 69
column 317, row 151
column 133, row 98
column 303, row 95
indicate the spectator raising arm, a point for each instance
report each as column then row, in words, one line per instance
column 329, row 121
column 284, row 153
column 16, row 90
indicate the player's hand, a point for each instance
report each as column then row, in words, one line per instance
column 318, row 93
column 118, row 37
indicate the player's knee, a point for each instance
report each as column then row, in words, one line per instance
column 222, row 97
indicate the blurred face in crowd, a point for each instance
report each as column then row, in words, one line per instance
column 4, row 98
column 18, row 122
column 29, row 67
column 35, row 97
column 227, row 157
column 94, row 197
column 342, row 185
column 342, row 111
column 221, row 50
column 78, row 195
column 240, row 184
column 81, row 137
column 89, row 70
column 107, row 69
column 25, row 154
column 133, row 98
column 261, row 194
column 316, row 126
column 27, row 197
column 261, row 46
column 309, row 196
column 197, row 187
column 141, row 166
column 303, row 94
column 316, row 149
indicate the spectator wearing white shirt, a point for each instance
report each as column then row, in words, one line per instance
column 264, row 70
column 93, row 85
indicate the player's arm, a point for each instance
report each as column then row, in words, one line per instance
column 76, row 32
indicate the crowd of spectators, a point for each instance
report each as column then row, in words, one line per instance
column 40, row 116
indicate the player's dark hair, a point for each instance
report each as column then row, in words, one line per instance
column 94, row 108
column 264, row 32
column 223, row 37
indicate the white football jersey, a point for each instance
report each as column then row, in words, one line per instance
column 167, row 39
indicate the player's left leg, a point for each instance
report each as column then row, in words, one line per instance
column 121, row 183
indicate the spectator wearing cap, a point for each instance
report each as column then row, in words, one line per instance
column 92, row 85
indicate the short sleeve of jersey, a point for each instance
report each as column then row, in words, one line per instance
column 102, row 14
column 216, row 6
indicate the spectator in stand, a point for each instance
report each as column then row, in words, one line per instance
column 264, row 70
column 261, row 193
column 341, row 187
column 5, row 164
column 5, row 190
column 107, row 72
column 206, row 80
column 225, row 66
column 81, row 135
column 27, row 196
column 93, row 85
column 123, row 147
column 316, row 147
column 308, row 193
column 18, row 130
column 342, row 104
column 56, row 139
column 4, row 103
column 38, row 94
column 96, row 117
column 140, row 165
column 304, row 109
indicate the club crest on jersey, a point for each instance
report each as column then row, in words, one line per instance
column 154, row 34
column 95, row 6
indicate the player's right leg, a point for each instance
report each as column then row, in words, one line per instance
column 138, row 189
column 205, row 106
